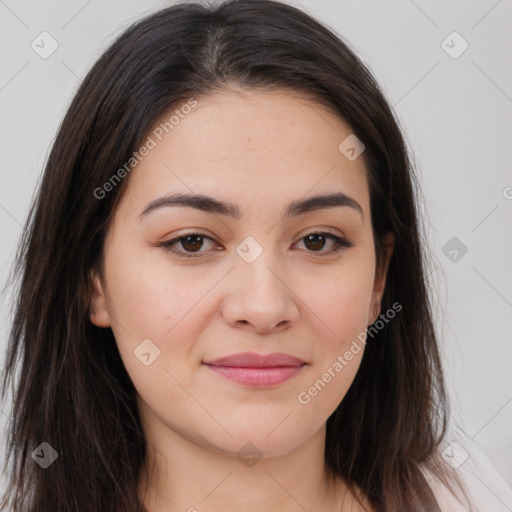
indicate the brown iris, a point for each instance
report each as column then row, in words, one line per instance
column 192, row 242
column 317, row 241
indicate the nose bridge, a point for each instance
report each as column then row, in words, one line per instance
column 255, row 269
column 259, row 295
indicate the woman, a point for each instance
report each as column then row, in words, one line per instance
column 222, row 302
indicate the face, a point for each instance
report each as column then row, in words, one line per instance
column 185, row 284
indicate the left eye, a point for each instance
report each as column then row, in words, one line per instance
column 193, row 242
column 316, row 241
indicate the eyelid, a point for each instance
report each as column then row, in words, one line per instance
column 167, row 245
column 339, row 241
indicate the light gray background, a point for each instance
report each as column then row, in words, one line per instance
column 456, row 114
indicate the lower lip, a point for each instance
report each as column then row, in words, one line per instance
column 258, row 377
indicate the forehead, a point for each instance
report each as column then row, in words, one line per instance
column 257, row 146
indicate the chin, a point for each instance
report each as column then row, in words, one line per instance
column 261, row 438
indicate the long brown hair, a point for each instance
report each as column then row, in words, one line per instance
column 73, row 391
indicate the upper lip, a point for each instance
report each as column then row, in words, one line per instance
column 252, row 360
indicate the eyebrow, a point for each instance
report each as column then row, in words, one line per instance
column 210, row 205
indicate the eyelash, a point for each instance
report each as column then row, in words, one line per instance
column 340, row 244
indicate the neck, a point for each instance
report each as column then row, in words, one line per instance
column 187, row 476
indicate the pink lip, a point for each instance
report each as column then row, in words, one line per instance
column 257, row 370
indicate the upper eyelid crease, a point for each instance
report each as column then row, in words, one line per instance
column 211, row 205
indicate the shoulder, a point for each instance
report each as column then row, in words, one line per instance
column 486, row 489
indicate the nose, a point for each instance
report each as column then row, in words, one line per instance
column 259, row 298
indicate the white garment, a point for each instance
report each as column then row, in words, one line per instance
column 487, row 490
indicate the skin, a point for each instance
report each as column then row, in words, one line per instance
column 260, row 150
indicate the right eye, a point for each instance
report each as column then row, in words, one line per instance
column 191, row 244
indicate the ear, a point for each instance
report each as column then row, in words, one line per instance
column 98, row 309
column 380, row 278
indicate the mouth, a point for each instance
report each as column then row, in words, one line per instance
column 257, row 370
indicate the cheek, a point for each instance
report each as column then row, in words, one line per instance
column 338, row 352
column 156, row 314
column 341, row 305
column 343, row 302
column 158, row 302
column 149, row 295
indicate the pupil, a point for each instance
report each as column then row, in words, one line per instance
column 194, row 244
column 311, row 238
